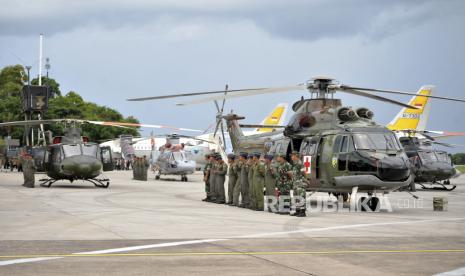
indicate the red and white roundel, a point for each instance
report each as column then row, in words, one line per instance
column 308, row 164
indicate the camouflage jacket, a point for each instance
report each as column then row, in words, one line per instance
column 283, row 180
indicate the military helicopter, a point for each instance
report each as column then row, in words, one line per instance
column 343, row 149
column 430, row 166
column 72, row 156
column 172, row 159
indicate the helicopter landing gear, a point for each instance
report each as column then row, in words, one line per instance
column 183, row 178
column 438, row 186
column 47, row 182
column 157, row 177
column 101, row 183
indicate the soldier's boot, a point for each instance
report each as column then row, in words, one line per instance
column 301, row 213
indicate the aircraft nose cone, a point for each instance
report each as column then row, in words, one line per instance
column 393, row 169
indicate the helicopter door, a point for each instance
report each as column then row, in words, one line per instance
column 107, row 159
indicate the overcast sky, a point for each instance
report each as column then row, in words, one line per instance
column 112, row 50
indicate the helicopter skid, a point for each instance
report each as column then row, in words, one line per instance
column 437, row 186
column 101, row 183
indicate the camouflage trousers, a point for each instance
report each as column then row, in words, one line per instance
column 299, row 196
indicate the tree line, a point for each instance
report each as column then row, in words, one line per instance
column 70, row 105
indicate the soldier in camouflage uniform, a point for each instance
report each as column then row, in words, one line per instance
column 258, row 182
column 298, row 185
column 243, row 179
column 212, row 178
column 270, row 181
column 232, row 177
column 283, row 184
column 29, row 170
column 144, row 167
column 221, row 169
column 249, row 168
column 206, row 177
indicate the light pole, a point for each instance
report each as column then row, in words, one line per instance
column 28, row 68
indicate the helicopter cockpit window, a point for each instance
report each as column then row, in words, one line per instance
column 427, row 156
column 90, row 150
column 376, row 141
column 443, row 157
column 71, row 150
column 178, row 156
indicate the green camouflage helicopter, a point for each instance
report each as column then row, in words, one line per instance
column 72, row 156
column 343, row 150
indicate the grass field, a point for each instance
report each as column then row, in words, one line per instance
column 461, row 168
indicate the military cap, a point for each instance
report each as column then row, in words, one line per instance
column 294, row 152
column 232, row 156
column 280, row 155
column 244, row 154
column 269, row 156
column 217, row 157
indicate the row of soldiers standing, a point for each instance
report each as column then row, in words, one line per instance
column 257, row 184
column 140, row 165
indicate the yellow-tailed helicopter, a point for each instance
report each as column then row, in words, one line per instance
column 344, row 151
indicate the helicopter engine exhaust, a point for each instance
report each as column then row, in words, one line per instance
column 365, row 113
column 347, row 114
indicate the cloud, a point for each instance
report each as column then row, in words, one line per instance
column 295, row 20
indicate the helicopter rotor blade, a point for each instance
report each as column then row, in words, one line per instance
column 224, row 98
column 217, row 106
column 190, row 94
column 343, row 87
column 378, row 98
column 124, row 124
column 224, row 139
column 245, row 93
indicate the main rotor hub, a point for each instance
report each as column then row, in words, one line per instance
column 321, row 85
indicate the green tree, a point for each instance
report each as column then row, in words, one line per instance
column 458, row 158
column 53, row 85
column 72, row 106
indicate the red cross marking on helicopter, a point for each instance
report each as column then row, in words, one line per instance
column 308, row 164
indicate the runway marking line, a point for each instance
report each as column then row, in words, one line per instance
column 172, row 244
column 168, row 254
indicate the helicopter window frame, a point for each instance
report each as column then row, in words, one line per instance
column 89, row 146
column 371, row 141
column 56, row 154
column 344, row 144
column 337, row 144
column 74, row 147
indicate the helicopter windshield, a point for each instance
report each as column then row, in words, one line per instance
column 90, row 150
column 178, row 156
column 427, row 156
column 443, row 157
column 71, row 150
column 376, row 141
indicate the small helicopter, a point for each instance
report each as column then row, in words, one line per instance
column 72, row 156
column 172, row 159
column 343, row 150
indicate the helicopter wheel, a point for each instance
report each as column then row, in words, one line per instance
column 157, row 177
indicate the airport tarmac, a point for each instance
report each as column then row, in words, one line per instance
column 163, row 227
